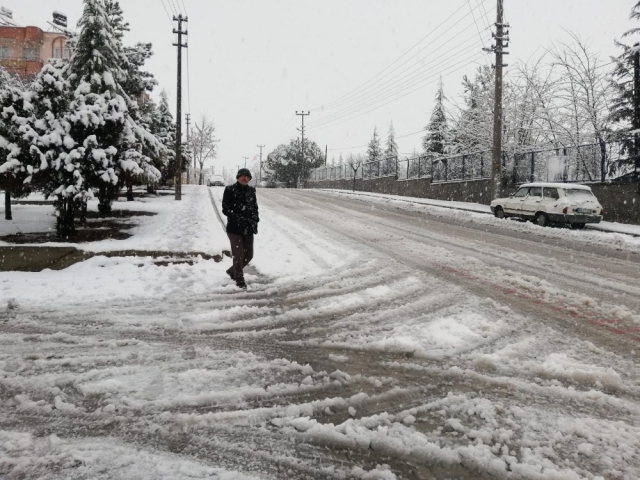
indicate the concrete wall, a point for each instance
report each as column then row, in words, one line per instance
column 621, row 201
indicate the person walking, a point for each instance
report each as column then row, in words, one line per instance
column 240, row 205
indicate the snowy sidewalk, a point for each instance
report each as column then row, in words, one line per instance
column 613, row 227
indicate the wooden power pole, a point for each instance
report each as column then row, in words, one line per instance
column 635, row 122
column 502, row 42
column 302, row 114
column 178, row 183
column 260, row 172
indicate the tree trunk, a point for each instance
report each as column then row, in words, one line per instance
column 130, row 192
column 66, row 226
column 7, row 205
column 104, row 201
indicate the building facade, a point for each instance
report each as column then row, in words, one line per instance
column 24, row 50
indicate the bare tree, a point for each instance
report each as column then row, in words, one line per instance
column 203, row 144
column 586, row 95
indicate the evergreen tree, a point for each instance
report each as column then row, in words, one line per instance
column 391, row 149
column 61, row 172
column 437, row 138
column 114, row 154
column 16, row 169
column 622, row 108
column 286, row 165
column 165, row 131
column 374, row 151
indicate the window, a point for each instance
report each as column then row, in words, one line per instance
column 551, row 193
column 577, row 194
column 31, row 53
column 522, row 192
column 56, row 53
column 4, row 53
column 535, row 192
column 66, row 53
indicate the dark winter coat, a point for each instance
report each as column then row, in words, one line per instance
column 240, row 205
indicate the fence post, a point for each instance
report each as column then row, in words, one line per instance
column 431, row 160
column 419, row 166
column 565, row 173
column 408, row 168
column 532, row 178
column 481, row 165
column 445, row 162
column 464, row 166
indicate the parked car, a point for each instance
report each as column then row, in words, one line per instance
column 216, row 181
column 547, row 203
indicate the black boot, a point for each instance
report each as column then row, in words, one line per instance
column 230, row 273
column 241, row 283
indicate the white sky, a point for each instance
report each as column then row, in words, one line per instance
column 253, row 63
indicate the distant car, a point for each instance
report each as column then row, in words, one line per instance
column 216, row 181
column 546, row 203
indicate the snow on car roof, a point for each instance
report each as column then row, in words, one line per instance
column 557, row 185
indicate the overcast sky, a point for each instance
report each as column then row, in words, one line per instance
column 253, row 63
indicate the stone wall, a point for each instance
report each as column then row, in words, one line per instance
column 621, row 201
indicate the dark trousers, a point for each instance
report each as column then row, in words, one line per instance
column 241, row 251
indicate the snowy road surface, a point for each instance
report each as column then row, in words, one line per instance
column 376, row 341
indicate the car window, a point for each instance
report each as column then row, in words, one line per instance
column 522, row 192
column 551, row 193
column 575, row 193
column 535, row 192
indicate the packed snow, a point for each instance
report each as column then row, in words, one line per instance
column 359, row 350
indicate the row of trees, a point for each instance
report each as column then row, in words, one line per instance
column 568, row 96
column 86, row 127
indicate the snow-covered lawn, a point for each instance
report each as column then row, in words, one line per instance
column 349, row 356
column 189, row 225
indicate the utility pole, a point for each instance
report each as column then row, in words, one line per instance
column 635, row 123
column 178, row 183
column 188, row 115
column 260, row 173
column 496, row 157
column 302, row 114
column 245, row 161
column 326, row 152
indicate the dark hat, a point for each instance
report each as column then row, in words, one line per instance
column 245, row 172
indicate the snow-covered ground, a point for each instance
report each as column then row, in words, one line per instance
column 373, row 343
column 477, row 212
column 189, row 225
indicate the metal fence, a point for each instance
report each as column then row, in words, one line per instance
column 594, row 162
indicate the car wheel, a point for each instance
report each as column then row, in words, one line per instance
column 499, row 212
column 542, row 219
column 577, row 226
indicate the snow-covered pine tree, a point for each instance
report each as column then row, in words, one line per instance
column 390, row 152
column 16, row 169
column 164, row 128
column 101, row 119
column 374, row 150
column 622, row 106
column 61, row 172
column 391, row 149
column 437, row 138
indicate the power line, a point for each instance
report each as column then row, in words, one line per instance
column 384, row 95
column 459, row 65
column 188, row 84
column 409, row 72
column 167, row 12
column 433, row 31
column 474, row 21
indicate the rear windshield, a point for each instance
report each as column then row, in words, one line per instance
column 576, row 193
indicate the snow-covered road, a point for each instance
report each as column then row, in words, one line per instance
column 375, row 341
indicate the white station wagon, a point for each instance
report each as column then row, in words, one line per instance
column 547, row 203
